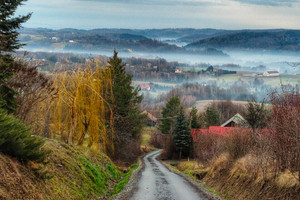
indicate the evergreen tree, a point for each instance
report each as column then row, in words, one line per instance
column 9, row 43
column 16, row 140
column 128, row 120
column 256, row 115
column 182, row 136
column 194, row 122
column 169, row 115
column 212, row 117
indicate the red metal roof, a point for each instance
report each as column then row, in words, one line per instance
column 222, row 131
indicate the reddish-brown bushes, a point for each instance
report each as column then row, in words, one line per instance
column 168, row 146
column 237, row 143
column 286, row 130
column 156, row 140
column 208, row 146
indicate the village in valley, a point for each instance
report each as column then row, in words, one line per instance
column 118, row 100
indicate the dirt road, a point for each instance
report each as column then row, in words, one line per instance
column 158, row 183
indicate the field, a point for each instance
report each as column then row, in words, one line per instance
column 271, row 81
column 202, row 105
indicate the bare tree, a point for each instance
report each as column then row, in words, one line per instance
column 285, row 129
column 294, row 65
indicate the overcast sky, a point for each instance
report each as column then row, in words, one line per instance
column 222, row 14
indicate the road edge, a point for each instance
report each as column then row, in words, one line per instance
column 193, row 182
column 130, row 186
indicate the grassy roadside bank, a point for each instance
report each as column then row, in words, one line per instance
column 120, row 186
column 74, row 173
column 70, row 173
column 237, row 181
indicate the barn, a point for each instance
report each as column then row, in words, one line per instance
column 271, row 73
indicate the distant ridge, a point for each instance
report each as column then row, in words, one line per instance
column 266, row 40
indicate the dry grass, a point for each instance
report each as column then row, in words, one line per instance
column 239, row 179
column 71, row 173
column 287, row 180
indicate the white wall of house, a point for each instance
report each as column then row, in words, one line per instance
column 271, row 74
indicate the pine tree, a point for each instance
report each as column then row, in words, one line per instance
column 182, row 137
column 212, row 117
column 128, row 120
column 169, row 115
column 16, row 140
column 194, row 122
column 9, row 43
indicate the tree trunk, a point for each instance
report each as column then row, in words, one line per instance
column 180, row 154
column 81, row 139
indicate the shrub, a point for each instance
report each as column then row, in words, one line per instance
column 16, row 140
column 238, row 143
column 168, row 147
column 208, row 146
column 157, row 140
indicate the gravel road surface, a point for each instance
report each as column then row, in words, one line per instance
column 158, row 183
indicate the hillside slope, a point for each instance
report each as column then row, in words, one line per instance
column 281, row 40
column 71, row 173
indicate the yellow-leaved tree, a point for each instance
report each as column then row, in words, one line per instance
column 79, row 113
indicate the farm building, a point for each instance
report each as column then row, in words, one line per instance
column 236, row 120
column 271, row 73
column 145, row 86
column 150, row 119
column 178, row 71
column 231, row 125
column 218, row 130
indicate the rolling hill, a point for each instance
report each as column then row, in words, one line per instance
column 265, row 40
column 124, row 40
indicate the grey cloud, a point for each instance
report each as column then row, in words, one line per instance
column 270, row 2
column 161, row 2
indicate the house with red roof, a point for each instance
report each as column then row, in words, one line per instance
column 145, row 86
column 217, row 130
column 237, row 121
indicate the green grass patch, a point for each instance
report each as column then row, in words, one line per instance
column 97, row 176
column 114, row 172
column 120, row 186
column 145, row 139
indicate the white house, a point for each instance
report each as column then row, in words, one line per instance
column 178, row 71
column 271, row 73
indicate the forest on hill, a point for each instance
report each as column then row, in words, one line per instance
column 285, row 40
